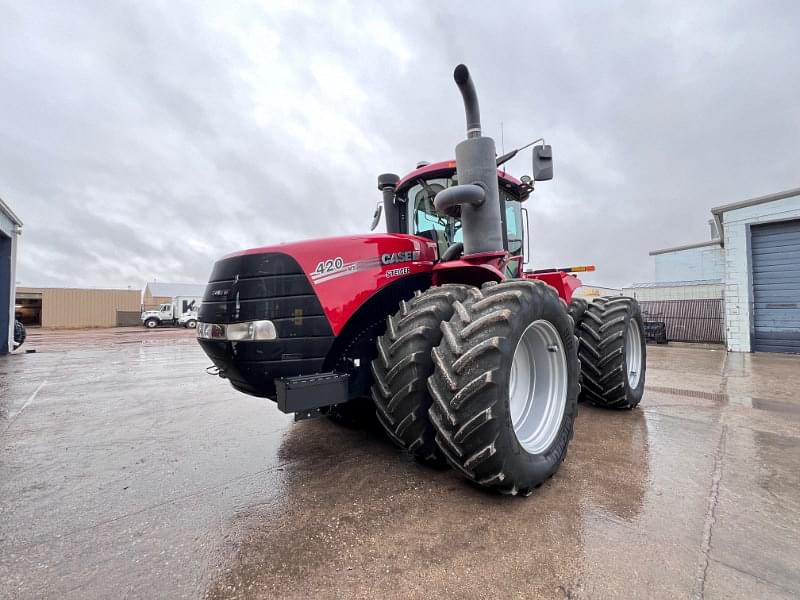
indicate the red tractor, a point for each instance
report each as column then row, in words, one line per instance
column 467, row 358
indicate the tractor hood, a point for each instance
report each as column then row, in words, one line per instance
column 300, row 297
column 342, row 272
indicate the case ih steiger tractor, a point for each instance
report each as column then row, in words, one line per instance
column 468, row 358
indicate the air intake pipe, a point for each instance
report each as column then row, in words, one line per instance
column 387, row 184
column 477, row 193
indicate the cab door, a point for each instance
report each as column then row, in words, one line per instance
column 165, row 312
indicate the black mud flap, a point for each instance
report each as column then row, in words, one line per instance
column 306, row 395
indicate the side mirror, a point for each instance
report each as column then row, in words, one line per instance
column 377, row 216
column 542, row 163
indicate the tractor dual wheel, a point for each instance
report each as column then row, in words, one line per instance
column 576, row 310
column 404, row 363
column 505, row 386
column 612, row 352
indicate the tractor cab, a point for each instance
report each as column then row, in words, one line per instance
column 415, row 214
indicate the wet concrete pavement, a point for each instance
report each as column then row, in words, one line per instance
column 126, row 471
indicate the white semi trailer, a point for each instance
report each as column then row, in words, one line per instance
column 171, row 313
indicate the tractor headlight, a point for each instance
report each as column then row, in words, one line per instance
column 210, row 331
column 249, row 331
column 264, row 330
column 236, row 332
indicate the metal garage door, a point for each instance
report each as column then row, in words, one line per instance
column 776, row 286
column 5, row 291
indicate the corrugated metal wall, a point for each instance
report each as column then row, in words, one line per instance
column 75, row 308
column 688, row 320
column 129, row 318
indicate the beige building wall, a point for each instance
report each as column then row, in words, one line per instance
column 74, row 308
column 150, row 301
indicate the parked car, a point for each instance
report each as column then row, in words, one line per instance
column 19, row 334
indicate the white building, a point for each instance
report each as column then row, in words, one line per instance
column 761, row 242
column 10, row 228
column 753, row 263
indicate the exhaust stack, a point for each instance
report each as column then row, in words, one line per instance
column 387, row 184
column 477, row 193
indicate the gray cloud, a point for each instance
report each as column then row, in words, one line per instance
column 144, row 141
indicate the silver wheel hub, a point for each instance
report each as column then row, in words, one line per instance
column 633, row 353
column 537, row 387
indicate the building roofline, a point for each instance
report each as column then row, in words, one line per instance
column 755, row 201
column 663, row 284
column 716, row 242
column 718, row 211
column 4, row 208
column 35, row 289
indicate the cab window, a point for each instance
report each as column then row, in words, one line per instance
column 423, row 218
column 512, row 218
column 513, row 223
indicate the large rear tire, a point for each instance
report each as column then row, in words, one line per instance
column 404, row 364
column 505, row 386
column 613, row 353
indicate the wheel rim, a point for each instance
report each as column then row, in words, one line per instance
column 538, row 387
column 633, row 353
column 192, row 324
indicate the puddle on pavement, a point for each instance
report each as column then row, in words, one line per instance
column 779, row 406
column 355, row 516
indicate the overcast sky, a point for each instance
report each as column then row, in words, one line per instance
column 143, row 140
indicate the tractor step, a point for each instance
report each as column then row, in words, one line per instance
column 306, row 394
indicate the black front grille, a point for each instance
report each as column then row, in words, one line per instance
column 265, row 286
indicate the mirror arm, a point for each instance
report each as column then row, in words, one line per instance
column 509, row 155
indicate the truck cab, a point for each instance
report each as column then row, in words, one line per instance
column 153, row 318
